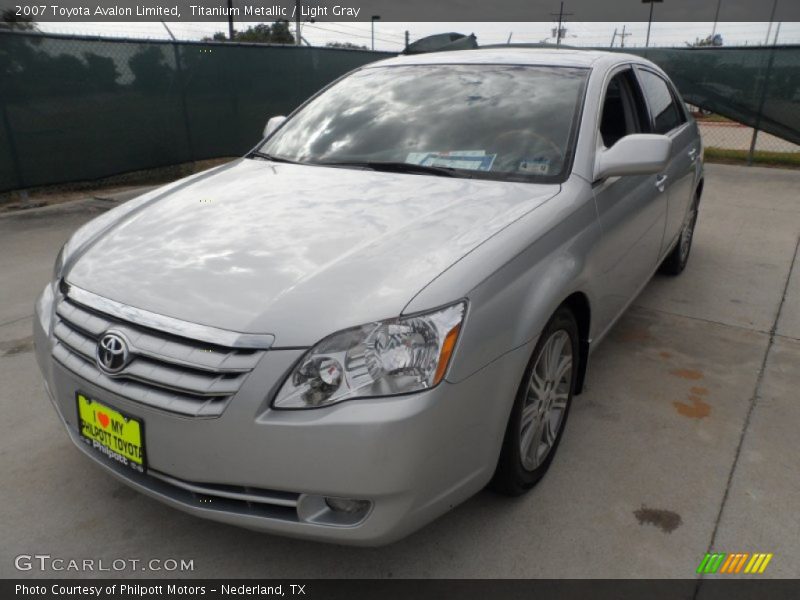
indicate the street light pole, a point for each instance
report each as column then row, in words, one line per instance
column 374, row 18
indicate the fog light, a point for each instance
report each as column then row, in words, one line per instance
column 347, row 505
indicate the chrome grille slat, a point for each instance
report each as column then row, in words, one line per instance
column 166, row 372
column 201, row 356
column 138, row 392
column 256, row 496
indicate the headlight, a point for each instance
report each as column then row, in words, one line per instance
column 384, row 358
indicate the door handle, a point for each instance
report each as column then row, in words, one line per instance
column 661, row 182
column 693, row 154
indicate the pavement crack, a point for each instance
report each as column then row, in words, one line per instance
column 753, row 400
column 17, row 320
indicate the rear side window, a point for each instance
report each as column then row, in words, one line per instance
column 667, row 115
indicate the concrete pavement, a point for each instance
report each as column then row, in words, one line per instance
column 684, row 442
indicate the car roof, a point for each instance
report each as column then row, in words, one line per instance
column 562, row 57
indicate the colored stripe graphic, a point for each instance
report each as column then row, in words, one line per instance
column 758, row 563
column 711, row 562
column 733, row 563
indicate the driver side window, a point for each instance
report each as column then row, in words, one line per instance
column 624, row 111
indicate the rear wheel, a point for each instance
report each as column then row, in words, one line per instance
column 540, row 410
column 675, row 262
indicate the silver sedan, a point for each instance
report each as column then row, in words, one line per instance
column 385, row 306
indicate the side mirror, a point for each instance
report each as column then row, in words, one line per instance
column 273, row 124
column 635, row 154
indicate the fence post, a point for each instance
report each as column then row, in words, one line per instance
column 184, row 111
column 12, row 148
column 764, row 88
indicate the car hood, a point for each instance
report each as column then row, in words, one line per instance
column 292, row 250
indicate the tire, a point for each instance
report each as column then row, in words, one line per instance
column 676, row 260
column 518, row 471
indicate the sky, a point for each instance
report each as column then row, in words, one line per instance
column 390, row 36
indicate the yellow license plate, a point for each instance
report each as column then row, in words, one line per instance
column 108, row 431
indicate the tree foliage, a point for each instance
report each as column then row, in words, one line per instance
column 349, row 45
column 10, row 20
column 277, row 33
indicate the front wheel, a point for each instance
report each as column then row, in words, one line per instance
column 541, row 407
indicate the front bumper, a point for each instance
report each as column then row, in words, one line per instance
column 413, row 457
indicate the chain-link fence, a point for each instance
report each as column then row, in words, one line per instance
column 737, row 90
column 81, row 108
column 724, row 138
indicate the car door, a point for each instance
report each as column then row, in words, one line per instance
column 631, row 209
column 668, row 117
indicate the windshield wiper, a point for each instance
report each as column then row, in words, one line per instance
column 400, row 167
column 257, row 154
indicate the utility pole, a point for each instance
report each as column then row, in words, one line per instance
column 613, row 37
column 622, row 37
column 560, row 31
column 650, row 19
column 230, row 20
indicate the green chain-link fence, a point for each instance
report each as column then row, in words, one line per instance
column 85, row 108
column 740, row 89
column 81, row 108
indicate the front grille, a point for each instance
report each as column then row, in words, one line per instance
column 166, row 371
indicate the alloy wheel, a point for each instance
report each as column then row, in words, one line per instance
column 546, row 400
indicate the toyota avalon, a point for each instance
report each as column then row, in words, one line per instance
column 387, row 305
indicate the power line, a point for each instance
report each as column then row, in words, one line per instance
column 366, row 37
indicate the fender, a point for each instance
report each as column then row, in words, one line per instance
column 541, row 264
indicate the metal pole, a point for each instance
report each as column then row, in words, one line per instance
column 298, row 39
column 230, row 20
column 716, row 18
column 184, row 109
column 408, row 35
column 649, row 23
column 12, row 146
column 373, row 19
column 169, row 31
column 613, row 37
column 771, row 19
column 763, row 99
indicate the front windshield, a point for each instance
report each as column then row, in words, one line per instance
column 492, row 121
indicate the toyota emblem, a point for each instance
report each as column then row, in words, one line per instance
column 112, row 353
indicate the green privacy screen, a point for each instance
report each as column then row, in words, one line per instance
column 78, row 108
column 82, row 108
column 757, row 86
